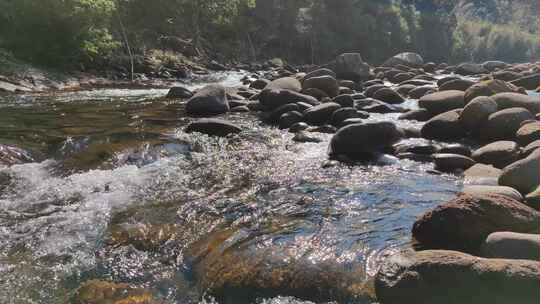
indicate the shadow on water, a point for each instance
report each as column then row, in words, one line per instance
column 121, row 193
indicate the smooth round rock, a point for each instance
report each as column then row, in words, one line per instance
column 441, row 102
column 499, row 154
column 452, row 162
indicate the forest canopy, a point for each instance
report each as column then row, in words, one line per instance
column 74, row 32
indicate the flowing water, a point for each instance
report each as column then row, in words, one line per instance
column 118, row 192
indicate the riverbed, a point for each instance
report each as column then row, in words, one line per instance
column 117, row 191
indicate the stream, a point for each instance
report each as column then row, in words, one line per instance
column 116, row 191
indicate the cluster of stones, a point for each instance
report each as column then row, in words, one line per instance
column 482, row 240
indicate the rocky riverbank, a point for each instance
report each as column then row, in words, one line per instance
column 486, row 128
column 476, row 121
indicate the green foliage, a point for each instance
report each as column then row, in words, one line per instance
column 58, row 31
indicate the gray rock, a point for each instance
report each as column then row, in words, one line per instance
column 504, row 124
column 320, row 114
column 523, row 175
column 210, row 100
column 444, row 126
column 452, row 162
column 441, row 102
column 499, row 154
column 476, row 113
column 510, row 245
column 481, row 190
column 212, row 126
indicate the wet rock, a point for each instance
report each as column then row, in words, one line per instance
column 445, row 126
column 364, row 141
column 446, row 79
column 452, row 162
column 345, row 90
column 10, row 155
column 343, row 114
column 299, row 126
column 273, row 99
column 388, row 95
column 376, row 106
column 179, row 92
column 344, row 100
column 456, row 85
column 319, row 73
column 419, row 92
column 260, row 84
column 422, row 148
column 499, row 154
column 285, row 83
column 530, row 148
column 456, row 149
column 467, row 69
column 489, row 88
column 319, row 94
column 288, row 119
column 481, row 190
column 351, row 121
column 533, row 199
column 327, row 84
column 305, row 137
column 404, row 89
column 418, row 115
column 449, row 277
column 350, row 66
column 510, row 245
column 371, row 90
column 230, row 267
column 504, row 124
column 275, row 115
column 102, row 292
column 476, row 113
column 516, row 100
column 523, row 175
column 348, row 84
column 407, row 59
column 320, row 114
column 328, row 129
column 210, row 100
column 464, row 223
column 441, row 102
column 531, row 82
column 528, row 133
column 241, row 109
column 493, row 65
column 214, row 127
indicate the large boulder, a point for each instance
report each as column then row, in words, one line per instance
column 476, row 113
column 517, row 100
column 450, row 277
column 470, row 69
column 320, row 114
column 489, row 88
column 327, row 84
column 511, row 245
column 273, row 99
column 441, row 102
column 528, row 133
column 210, row 100
column 499, row 154
column 523, row 175
column 531, row 82
column 493, row 65
column 212, row 126
column 445, row 126
column 285, row 83
column 364, row 140
column 351, row 66
column 464, row 223
column 504, row 124
column 407, row 59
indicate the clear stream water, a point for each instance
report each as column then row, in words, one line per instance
column 119, row 192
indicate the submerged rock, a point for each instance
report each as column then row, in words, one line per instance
column 464, row 223
column 212, row 126
column 102, row 292
column 449, row 277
